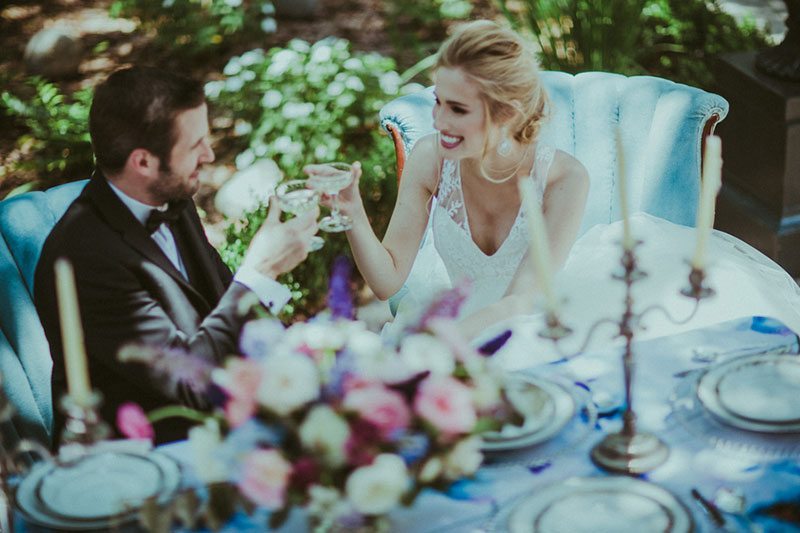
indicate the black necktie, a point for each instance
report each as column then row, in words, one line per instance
column 167, row 216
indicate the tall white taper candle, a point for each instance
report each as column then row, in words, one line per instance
column 627, row 239
column 539, row 246
column 72, row 334
column 712, row 180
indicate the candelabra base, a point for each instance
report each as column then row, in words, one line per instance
column 630, row 454
column 83, row 425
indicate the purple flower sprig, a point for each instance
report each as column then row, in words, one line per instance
column 176, row 366
column 447, row 304
column 340, row 299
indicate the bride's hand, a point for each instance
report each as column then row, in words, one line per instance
column 348, row 198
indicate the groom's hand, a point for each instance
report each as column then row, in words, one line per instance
column 278, row 247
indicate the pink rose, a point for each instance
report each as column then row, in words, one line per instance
column 240, row 379
column 354, row 381
column 446, row 403
column 265, row 476
column 133, row 423
column 384, row 408
column 238, row 411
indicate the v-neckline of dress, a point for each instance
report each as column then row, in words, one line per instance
column 467, row 228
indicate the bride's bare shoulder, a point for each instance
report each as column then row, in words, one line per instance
column 567, row 171
column 424, row 163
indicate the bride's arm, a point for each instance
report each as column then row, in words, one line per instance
column 385, row 265
column 563, row 204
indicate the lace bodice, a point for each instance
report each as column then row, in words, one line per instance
column 490, row 275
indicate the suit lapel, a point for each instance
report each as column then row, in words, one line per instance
column 133, row 233
column 205, row 270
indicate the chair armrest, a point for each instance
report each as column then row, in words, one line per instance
column 406, row 119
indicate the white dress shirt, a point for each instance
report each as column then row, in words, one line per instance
column 271, row 293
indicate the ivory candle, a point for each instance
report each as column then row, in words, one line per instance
column 72, row 334
column 627, row 240
column 712, row 180
column 539, row 246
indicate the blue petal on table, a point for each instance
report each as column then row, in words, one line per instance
column 771, row 326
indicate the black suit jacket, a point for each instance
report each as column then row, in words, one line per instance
column 130, row 292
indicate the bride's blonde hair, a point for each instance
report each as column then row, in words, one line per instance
column 503, row 65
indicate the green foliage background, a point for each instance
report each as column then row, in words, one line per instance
column 56, row 144
column 675, row 39
column 193, row 28
column 300, row 103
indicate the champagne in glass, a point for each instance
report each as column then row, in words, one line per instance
column 296, row 198
column 330, row 178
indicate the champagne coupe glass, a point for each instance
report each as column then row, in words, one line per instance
column 296, row 198
column 330, row 178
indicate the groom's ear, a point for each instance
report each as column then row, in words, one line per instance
column 142, row 162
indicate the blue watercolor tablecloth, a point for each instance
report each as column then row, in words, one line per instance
column 698, row 458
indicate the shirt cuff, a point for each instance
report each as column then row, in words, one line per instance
column 272, row 294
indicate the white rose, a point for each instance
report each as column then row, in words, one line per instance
column 289, row 382
column 325, row 432
column 422, row 352
column 377, row 488
column 377, row 362
column 204, row 441
column 464, row 459
column 485, row 392
column 364, row 344
column 315, row 335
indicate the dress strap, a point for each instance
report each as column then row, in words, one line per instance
column 545, row 154
column 449, row 196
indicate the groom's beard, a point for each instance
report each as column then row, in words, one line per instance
column 173, row 187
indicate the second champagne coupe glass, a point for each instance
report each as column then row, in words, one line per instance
column 330, row 178
column 296, row 198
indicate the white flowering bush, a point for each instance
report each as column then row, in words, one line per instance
column 309, row 103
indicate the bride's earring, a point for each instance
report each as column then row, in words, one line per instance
column 504, row 147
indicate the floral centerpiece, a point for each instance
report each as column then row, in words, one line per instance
column 323, row 414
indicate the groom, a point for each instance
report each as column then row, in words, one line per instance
column 144, row 269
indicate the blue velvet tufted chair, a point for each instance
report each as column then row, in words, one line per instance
column 25, row 363
column 663, row 127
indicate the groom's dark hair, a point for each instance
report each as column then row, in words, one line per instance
column 136, row 107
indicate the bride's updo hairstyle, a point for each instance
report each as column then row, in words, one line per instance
column 504, row 67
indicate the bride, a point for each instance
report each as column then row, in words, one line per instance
column 459, row 197
column 467, row 177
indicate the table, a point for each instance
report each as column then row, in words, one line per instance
column 484, row 503
column 663, row 365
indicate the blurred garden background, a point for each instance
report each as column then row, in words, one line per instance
column 292, row 82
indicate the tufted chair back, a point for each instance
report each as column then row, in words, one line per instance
column 25, row 364
column 663, row 125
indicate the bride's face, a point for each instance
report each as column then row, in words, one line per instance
column 459, row 115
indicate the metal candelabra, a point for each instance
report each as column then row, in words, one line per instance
column 83, row 426
column 629, row 451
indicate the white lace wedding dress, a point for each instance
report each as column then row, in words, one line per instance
column 746, row 282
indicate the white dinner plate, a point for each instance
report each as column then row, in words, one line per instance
column 547, row 407
column 756, row 393
column 98, row 491
column 600, row 505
